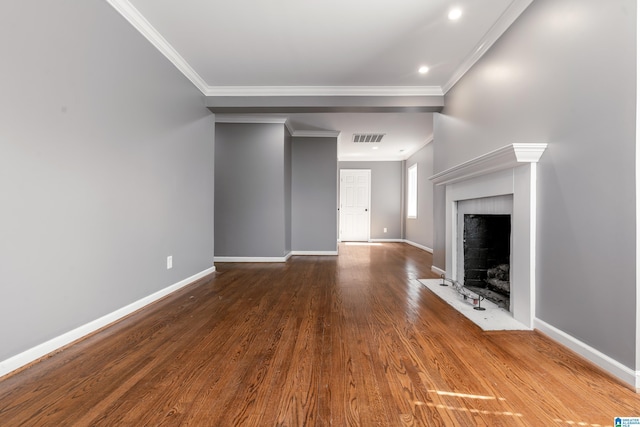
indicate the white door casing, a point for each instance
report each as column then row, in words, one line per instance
column 355, row 201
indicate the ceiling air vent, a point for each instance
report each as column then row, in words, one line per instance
column 367, row 137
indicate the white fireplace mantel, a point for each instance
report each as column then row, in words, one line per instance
column 508, row 170
column 503, row 158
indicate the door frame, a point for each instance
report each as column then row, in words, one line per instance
column 340, row 189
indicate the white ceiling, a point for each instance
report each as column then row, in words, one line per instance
column 405, row 133
column 253, row 47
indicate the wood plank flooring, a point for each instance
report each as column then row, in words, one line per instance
column 352, row 340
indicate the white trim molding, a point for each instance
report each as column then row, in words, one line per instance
column 140, row 23
column 367, row 158
column 509, row 16
column 244, row 118
column 251, row 259
column 323, row 91
column 33, row 354
column 316, row 133
column 289, row 127
column 315, row 253
column 408, row 154
column 148, row 31
column 418, row 245
column 612, row 366
column 503, row 158
column 438, row 270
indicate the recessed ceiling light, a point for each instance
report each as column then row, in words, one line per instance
column 455, row 14
column 374, row 148
column 423, row 70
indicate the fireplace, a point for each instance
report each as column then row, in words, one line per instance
column 500, row 182
column 487, row 249
column 484, row 240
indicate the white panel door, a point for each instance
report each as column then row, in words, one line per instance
column 355, row 197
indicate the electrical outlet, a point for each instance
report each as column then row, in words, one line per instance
column 169, row 262
column 385, row 229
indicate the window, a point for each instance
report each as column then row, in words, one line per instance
column 412, row 192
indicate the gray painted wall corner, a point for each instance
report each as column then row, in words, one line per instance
column 250, row 196
column 100, row 193
column 314, row 194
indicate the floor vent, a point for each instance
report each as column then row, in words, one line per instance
column 367, row 137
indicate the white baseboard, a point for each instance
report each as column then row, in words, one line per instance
column 272, row 259
column 320, row 253
column 251, row 259
column 418, row 245
column 603, row 361
column 438, row 270
column 41, row 350
column 386, row 240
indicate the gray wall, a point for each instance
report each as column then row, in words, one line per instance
column 105, row 170
column 250, row 190
column 287, row 189
column 564, row 73
column 314, row 194
column 420, row 230
column 386, row 197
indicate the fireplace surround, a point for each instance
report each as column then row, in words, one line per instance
column 510, row 170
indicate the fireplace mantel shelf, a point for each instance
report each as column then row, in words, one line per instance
column 506, row 157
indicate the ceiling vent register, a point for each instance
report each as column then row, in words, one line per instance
column 367, row 137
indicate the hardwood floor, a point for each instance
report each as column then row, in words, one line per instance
column 345, row 341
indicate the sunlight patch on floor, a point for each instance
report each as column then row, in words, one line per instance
column 466, row 396
column 581, row 423
column 470, row 410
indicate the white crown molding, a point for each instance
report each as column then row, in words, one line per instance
column 316, row 133
column 289, row 127
column 506, row 157
column 418, row 148
column 140, row 23
column 242, row 118
column 509, row 16
column 323, row 91
column 371, row 159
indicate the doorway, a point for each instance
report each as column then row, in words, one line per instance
column 355, row 205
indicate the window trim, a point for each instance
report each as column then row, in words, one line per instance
column 412, row 191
